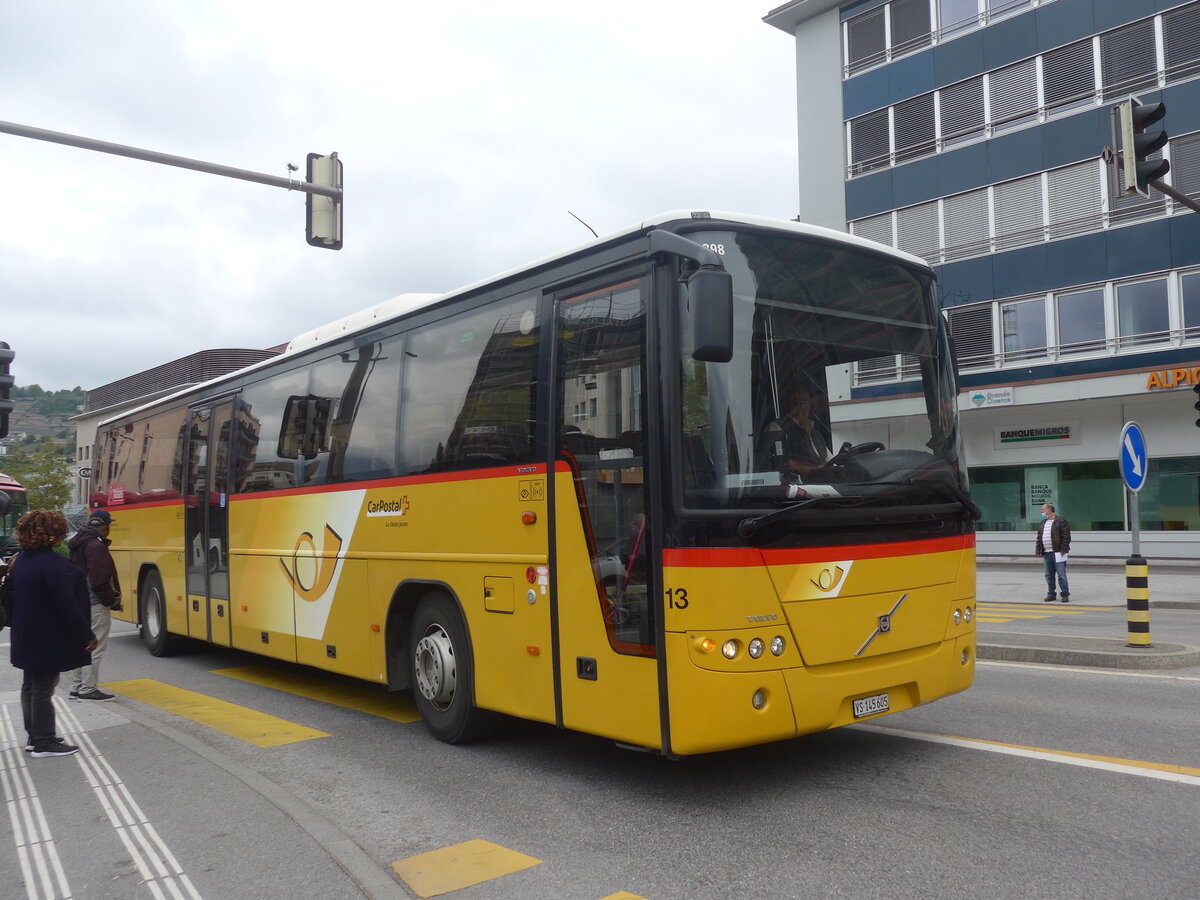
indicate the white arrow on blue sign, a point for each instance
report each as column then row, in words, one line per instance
column 1133, row 457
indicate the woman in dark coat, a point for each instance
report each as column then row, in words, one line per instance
column 51, row 625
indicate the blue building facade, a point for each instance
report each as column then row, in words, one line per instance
column 973, row 133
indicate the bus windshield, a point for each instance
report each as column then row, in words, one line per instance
column 840, row 393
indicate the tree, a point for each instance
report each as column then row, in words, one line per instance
column 43, row 473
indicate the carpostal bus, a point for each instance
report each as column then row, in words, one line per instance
column 13, row 505
column 558, row 495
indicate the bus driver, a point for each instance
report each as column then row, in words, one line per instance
column 795, row 440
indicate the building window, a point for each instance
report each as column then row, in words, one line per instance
column 1081, row 321
column 1142, row 316
column 1013, row 92
column 1189, row 287
column 866, row 40
column 971, row 330
column 1170, row 499
column 1181, row 42
column 956, row 16
column 870, row 146
column 1069, row 77
column 962, row 111
column 1129, row 60
column 1089, row 494
column 911, row 25
column 1023, row 328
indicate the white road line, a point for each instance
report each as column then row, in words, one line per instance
column 159, row 868
column 41, row 867
column 1087, row 762
column 1085, row 670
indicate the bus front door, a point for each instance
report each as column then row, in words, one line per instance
column 206, row 525
column 606, row 623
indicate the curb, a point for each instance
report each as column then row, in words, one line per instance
column 1090, row 652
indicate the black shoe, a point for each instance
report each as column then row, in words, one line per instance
column 1048, row 599
column 57, row 748
column 1066, row 598
column 74, row 695
column 95, row 695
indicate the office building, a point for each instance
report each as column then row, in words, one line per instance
column 973, row 133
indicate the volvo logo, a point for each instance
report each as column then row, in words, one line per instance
column 884, row 626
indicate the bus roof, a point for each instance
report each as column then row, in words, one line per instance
column 412, row 302
column 8, row 483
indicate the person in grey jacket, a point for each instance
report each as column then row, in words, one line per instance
column 89, row 551
column 51, row 631
column 1053, row 545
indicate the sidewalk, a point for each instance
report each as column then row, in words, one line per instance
column 146, row 810
column 1173, row 585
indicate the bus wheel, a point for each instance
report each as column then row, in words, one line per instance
column 443, row 675
column 154, row 617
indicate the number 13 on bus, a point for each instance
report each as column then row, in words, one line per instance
column 693, row 486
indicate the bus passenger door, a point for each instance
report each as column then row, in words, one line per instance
column 602, row 555
column 206, row 523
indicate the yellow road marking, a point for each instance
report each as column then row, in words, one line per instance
column 245, row 724
column 460, row 866
column 1162, row 771
column 359, row 698
column 623, row 895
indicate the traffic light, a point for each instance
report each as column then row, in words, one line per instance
column 1196, row 388
column 6, row 383
column 324, row 214
column 1137, row 145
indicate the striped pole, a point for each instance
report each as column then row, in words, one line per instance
column 1137, row 600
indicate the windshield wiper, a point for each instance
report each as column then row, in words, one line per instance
column 961, row 496
column 748, row 526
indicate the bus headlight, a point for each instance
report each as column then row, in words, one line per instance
column 730, row 649
column 777, row 645
column 958, row 617
column 755, row 648
column 967, row 614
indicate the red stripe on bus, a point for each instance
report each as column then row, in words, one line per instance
column 717, row 557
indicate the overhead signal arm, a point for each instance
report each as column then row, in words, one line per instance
column 324, row 220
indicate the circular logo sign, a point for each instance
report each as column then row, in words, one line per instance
column 85, row 471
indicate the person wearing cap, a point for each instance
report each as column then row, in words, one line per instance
column 89, row 551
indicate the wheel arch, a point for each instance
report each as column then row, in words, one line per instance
column 145, row 570
column 403, row 604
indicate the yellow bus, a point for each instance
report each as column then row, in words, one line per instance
column 575, row 493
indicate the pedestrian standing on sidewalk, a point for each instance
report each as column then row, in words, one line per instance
column 89, row 551
column 50, row 626
column 1053, row 545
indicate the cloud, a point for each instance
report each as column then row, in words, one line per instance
column 467, row 131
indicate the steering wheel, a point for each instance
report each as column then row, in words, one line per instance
column 849, row 451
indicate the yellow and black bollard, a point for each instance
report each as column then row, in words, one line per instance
column 1137, row 600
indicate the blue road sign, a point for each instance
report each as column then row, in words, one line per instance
column 1133, row 457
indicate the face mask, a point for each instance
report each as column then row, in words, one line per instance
column 1045, row 515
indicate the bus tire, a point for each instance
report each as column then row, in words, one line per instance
column 443, row 673
column 154, row 617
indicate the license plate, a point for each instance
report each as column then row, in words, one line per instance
column 869, row 706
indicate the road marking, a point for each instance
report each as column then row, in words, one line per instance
column 398, row 708
column 245, row 724
column 156, row 864
column 459, row 866
column 999, row 613
column 1160, row 771
column 37, row 853
column 1086, row 670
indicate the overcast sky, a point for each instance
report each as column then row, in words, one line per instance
column 467, row 131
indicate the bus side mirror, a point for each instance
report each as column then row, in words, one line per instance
column 710, row 296
column 291, row 429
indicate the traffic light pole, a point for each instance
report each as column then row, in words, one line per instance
column 166, row 159
column 1176, row 195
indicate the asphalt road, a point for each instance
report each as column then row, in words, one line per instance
column 1038, row 782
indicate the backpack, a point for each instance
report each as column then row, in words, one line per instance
column 6, row 594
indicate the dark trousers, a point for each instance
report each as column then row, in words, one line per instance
column 37, row 706
column 1056, row 568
